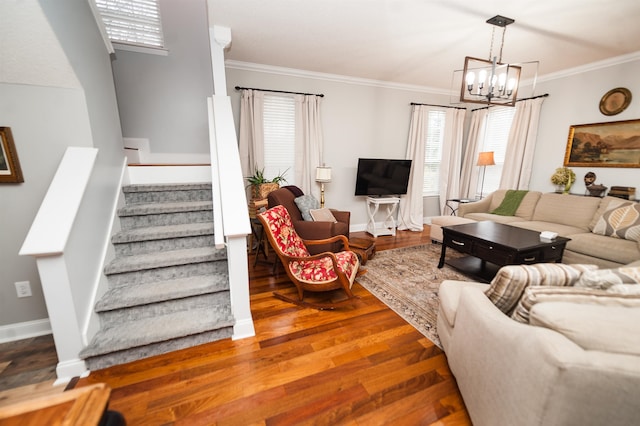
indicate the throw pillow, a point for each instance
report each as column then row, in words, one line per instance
column 322, row 215
column 538, row 294
column 620, row 221
column 306, row 203
column 511, row 281
column 604, row 279
column 510, row 203
column 609, row 328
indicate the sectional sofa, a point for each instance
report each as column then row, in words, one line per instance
column 586, row 220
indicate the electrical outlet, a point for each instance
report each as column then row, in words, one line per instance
column 23, row 288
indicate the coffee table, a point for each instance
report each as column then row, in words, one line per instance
column 492, row 245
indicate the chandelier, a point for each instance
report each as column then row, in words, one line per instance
column 490, row 81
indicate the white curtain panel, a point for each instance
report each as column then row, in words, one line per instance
column 451, row 155
column 411, row 205
column 308, row 142
column 516, row 172
column 469, row 176
column 251, row 144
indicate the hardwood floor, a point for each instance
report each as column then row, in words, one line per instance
column 357, row 365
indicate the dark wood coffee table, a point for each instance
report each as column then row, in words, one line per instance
column 492, row 245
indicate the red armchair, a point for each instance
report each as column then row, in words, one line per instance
column 310, row 230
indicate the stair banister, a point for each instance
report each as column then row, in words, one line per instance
column 46, row 241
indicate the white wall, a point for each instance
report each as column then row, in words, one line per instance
column 164, row 98
column 359, row 120
column 574, row 100
column 44, row 121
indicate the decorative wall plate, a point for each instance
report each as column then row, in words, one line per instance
column 615, row 101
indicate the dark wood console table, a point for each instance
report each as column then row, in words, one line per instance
column 492, row 245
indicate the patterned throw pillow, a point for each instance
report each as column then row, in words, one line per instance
column 511, row 281
column 620, row 220
column 540, row 294
column 306, row 203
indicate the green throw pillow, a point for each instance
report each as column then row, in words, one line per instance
column 511, row 202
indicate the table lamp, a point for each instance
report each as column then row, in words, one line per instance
column 485, row 159
column 323, row 175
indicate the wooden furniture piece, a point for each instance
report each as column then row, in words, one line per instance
column 454, row 208
column 388, row 225
column 321, row 272
column 497, row 244
column 83, row 406
column 365, row 248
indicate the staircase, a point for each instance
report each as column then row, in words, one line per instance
column 168, row 284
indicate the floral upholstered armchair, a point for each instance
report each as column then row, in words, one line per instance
column 321, row 272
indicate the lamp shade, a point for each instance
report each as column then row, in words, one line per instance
column 323, row 174
column 486, row 159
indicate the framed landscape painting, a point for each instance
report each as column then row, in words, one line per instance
column 10, row 171
column 613, row 144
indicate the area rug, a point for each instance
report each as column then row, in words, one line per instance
column 407, row 280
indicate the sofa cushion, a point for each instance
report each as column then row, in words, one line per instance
column 493, row 217
column 611, row 249
column 562, row 230
column 510, row 203
column 525, row 209
column 615, row 279
column 554, row 207
column 538, row 294
column 597, row 327
column 306, row 203
column 510, row 282
column 620, row 221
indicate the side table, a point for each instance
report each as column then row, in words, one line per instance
column 458, row 201
column 364, row 248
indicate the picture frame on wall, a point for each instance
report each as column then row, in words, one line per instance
column 612, row 144
column 10, row 171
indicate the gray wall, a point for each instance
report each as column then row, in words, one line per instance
column 45, row 121
column 163, row 98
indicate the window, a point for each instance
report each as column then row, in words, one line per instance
column 132, row 22
column 433, row 152
column 279, row 136
column 496, row 137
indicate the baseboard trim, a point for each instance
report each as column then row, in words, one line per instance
column 243, row 329
column 24, row 330
column 67, row 370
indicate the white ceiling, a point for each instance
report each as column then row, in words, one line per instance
column 421, row 42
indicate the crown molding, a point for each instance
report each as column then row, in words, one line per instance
column 594, row 66
column 292, row 72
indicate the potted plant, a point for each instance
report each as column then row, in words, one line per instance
column 261, row 186
column 563, row 178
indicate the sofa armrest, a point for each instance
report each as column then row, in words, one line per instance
column 481, row 206
column 513, row 373
column 342, row 216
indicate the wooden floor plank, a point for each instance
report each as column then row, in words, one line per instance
column 361, row 364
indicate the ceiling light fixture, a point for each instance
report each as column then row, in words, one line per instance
column 490, row 81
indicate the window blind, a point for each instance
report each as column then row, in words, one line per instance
column 496, row 137
column 135, row 22
column 433, row 152
column 279, row 136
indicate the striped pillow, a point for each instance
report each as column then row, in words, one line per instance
column 606, row 278
column 511, row 281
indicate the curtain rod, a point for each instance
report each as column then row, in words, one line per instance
column 279, row 91
column 439, row 106
column 517, row 100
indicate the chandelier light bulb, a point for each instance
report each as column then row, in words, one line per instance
column 502, row 79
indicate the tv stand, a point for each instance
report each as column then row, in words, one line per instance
column 388, row 226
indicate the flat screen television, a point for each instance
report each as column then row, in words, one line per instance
column 380, row 177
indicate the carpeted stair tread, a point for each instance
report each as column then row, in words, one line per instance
column 163, row 232
column 157, row 329
column 163, row 208
column 147, row 293
column 141, row 262
column 165, row 187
